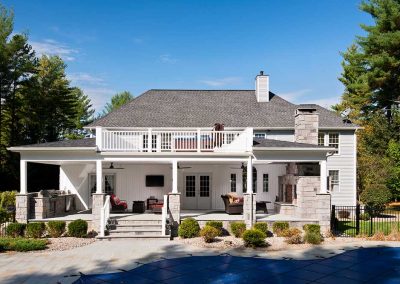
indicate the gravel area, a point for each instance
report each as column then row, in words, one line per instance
column 275, row 243
column 67, row 243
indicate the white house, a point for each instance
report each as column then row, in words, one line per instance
column 302, row 158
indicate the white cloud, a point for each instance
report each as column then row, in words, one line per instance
column 52, row 47
column 167, row 58
column 80, row 77
column 325, row 102
column 222, row 82
column 294, row 96
column 99, row 96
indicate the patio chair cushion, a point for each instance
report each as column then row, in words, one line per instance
column 116, row 202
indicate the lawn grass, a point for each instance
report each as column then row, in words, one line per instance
column 349, row 227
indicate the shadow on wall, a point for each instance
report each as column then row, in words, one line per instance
column 42, row 176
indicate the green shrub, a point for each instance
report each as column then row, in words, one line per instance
column 189, row 228
column 344, row 214
column 293, row 236
column 209, row 233
column 313, row 238
column 78, row 228
column 238, row 228
column 254, row 238
column 279, row 227
column 15, row 230
column 365, row 216
column 312, row 228
column 22, row 244
column 217, row 225
column 7, row 198
column 56, row 228
column 35, row 230
column 262, row 226
column 375, row 199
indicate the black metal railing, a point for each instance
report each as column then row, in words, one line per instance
column 351, row 221
column 7, row 216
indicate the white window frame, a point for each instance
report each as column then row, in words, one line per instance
column 323, row 135
column 233, row 183
column 330, row 180
column 267, row 183
column 103, row 180
column 261, row 135
column 338, row 143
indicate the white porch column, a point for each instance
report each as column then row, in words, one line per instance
column 323, row 173
column 99, row 176
column 174, row 176
column 149, row 140
column 23, row 176
column 99, row 137
column 249, row 175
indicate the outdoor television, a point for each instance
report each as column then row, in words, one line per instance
column 154, row 181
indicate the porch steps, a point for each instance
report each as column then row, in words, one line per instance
column 137, row 228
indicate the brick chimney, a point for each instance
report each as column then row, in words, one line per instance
column 262, row 87
column 306, row 125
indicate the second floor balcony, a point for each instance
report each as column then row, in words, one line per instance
column 158, row 140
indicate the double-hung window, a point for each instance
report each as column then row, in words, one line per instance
column 334, row 141
column 265, row 182
column 321, row 138
column 334, row 180
column 233, row 182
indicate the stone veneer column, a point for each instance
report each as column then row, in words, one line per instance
column 174, row 206
column 22, row 208
column 323, row 212
column 306, row 125
column 97, row 205
column 249, row 209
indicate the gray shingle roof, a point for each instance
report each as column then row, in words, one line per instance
column 270, row 143
column 88, row 142
column 204, row 108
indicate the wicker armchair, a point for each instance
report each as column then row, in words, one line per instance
column 232, row 207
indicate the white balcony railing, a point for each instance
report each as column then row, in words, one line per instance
column 174, row 141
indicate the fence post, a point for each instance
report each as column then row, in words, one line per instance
column 371, row 226
column 333, row 219
column 357, row 219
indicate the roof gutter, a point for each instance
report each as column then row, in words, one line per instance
column 320, row 149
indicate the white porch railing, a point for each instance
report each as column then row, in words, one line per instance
column 164, row 216
column 174, row 141
column 104, row 215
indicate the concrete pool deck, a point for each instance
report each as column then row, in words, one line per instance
column 117, row 256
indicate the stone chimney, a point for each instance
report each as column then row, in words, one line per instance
column 262, row 87
column 306, row 125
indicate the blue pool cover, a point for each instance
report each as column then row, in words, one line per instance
column 364, row 265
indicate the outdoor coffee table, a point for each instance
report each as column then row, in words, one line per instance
column 262, row 206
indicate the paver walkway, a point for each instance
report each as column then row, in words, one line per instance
column 364, row 265
column 125, row 255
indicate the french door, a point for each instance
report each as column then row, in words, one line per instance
column 197, row 191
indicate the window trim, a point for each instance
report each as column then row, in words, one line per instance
column 327, row 142
column 260, row 133
column 233, row 183
column 338, row 184
column 267, row 183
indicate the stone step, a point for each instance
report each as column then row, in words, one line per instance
column 136, row 237
column 135, row 227
column 134, row 233
column 136, row 222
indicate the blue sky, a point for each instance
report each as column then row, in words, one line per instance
column 112, row 46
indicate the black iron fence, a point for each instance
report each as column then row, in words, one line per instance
column 351, row 221
column 7, row 216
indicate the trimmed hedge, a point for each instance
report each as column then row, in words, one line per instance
column 312, row 228
column 254, row 238
column 262, row 226
column 22, row 244
column 217, row 225
column 56, row 228
column 35, row 230
column 209, row 233
column 313, row 238
column 279, row 227
column 293, row 236
column 238, row 228
column 15, row 230
column 365, row 217
column 78, row 228
column 189, row 228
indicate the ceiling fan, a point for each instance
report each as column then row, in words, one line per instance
column 111, row 167
column 242, row 167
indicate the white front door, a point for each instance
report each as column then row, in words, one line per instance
column 197, row 191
